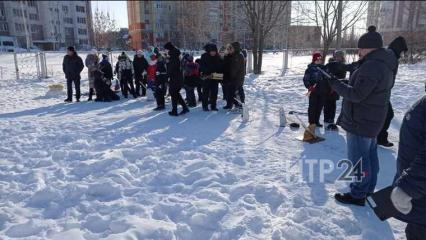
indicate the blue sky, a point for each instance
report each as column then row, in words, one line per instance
column 117, row 9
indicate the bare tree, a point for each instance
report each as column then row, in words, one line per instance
column 261, row 18
column 325, row 14
column 105, row 30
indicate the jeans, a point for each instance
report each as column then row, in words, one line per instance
column 77, row 88
column 363, row 149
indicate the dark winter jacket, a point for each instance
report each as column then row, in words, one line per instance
column 237, row 68
column 209, row 64
column 337, row 69
column 161, row 70
column 366, row 97
column 106, row 68
column 313, row 77
column 411, row 161
column 226, row 69
column 72, row 67
column 174, row 69
column 140, row 64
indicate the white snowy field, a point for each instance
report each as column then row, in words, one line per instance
column 119, row 170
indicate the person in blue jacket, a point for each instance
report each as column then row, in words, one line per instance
column 409, row 193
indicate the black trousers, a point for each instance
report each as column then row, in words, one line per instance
column 139, row 80
column 210, row 89
column 415, row 231
column 200, row 93
column 231, row 93
column 160, row 89
column 127, row 86
column 176, row 97
column 383, row 135
column 316, row 104
column 329, row 109
column 77, row 88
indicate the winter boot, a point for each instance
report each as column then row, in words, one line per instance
column 159, row 108
column 346, row 198
column 68, row 100
column 227, row 107
column 206, row 109
column 385, row 143
column 173, row 113
column 331, row 127
column 184, row 111
column 308, row 135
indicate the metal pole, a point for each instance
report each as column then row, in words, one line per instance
column 15, row 58
column 37, row 57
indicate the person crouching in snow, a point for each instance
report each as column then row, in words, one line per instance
column 176, row 79
column 336, row 67
column 316, row 84
column 124, row 70
column 91, row 62
column 106, row 68
column 160, row 81
column 191, row 80
column 409, row 193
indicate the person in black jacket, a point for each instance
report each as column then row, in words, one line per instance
column 160, row 81
column 364, row 108
column 72, row 66
column 317, row 87
column 106, row 69
column 210, row 63
column 409, row 193
column 397, row 46
column 140, row 65
column 236, row 76
column 338, row 68
column 176, row 79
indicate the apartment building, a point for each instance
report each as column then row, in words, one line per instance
column 48, row 25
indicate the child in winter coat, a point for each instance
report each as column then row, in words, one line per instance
column 151, row 72
column 103, row 90
column 106, row 69
column 160, row 82
column 124, row 70
column 316, row 84
column 191, row 80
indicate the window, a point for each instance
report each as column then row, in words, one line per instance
column 19, row 27
column 68, row 20
column 81, row 20
column 4, row 27
column 8, row 43
column 34, row 16
column 83, row 41
column 82, row 31
column 65, row 8
column 17, row 12
column 31, row 3
column 36, row 28
column 69, row 31
column 79, row 9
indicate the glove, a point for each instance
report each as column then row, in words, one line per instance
column 401, row 200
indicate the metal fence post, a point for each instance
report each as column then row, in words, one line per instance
column 249, row 61
column 43, row 65
column 37, row 56
column 15, row 58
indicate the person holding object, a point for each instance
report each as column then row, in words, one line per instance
column 210, row 63
column 409, row 194
column 140, row 64
column 317, row 87
column 237, row 74
column 364, row 109
column 72, row 66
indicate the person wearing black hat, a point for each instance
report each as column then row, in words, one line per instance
column 176, row 79
column 124, row 70
column 364, row 108
column 237, row 74
column 72, row 66
column 140, row 64
column 397, row 46
column 210, row 63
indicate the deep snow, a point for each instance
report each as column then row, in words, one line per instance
column 121, row 171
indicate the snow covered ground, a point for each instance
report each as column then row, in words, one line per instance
column 121, row 171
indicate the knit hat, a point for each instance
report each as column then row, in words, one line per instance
column 398, row 45
column 339, row 54
column 315, row 56
column 139, row 52
column 104, row 56
column 236, row 46
column 71, row 48
column 371, row 39
column 169, row 46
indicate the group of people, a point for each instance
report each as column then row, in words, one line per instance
column 365, row 116
column 157, row 72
